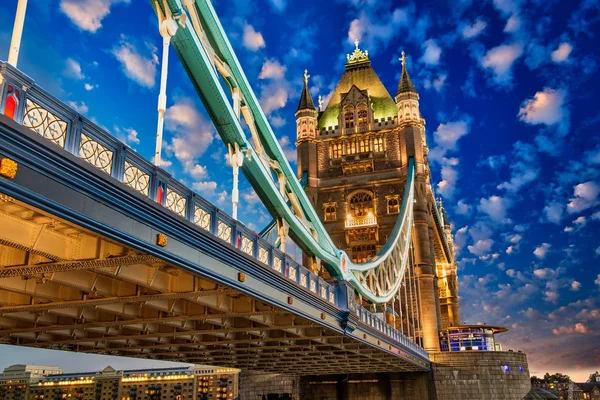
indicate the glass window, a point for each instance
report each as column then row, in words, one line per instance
column 364, row 145
column 351, row 147
column 378, row 144
column 336, row 150
column 363, row 115
column 363, row 253
column 349, row 117
column 330, row 212
column 393, row 205
column 361, row 204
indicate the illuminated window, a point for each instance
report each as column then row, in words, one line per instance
column 362, row 115
column 337, row 150
column 330, row 212
column 10, row 107
column 363, row 253
column 506, row 368
column 351, row 147
column 349, row 117
column 361, row 204
column 364, row 145
column 378, row 144
column 393, row 205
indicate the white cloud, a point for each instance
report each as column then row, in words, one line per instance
column 548, row 108
column 500, row 60
column 431, row 52
column 140, row 68
column 446, row 137
column 553, row 212
column 196, row 170
column 481, row 247
column 449, row 177
column 523, row 168
column 586, row 196
column 595, row 216
column 272, row 69
column 253, row 40
column 561, row 54
column 89, row 86
column 472, row 31
column 513, row 24
column 495, row 207
column 192, row 134
column 278, row 5
column 274, row 96
column 597, row 281
column 551, row 296
column 510, row 250
column 575, row 286
column 437, row 84
column 377, row 30
column 206, row 189
column 545, row 273
column 568, row 330
column 542, row 250
column 462, row 208
column 78, row 106
column 87, row 15
column 73, row 69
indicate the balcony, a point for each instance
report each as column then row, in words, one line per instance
column 358, row 222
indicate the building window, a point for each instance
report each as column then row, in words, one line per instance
column 378, row 144
column 361, row 204
column 363, row 253
column 393, row 205
column 337, row 150
column 349, row 117
column 362, row 115
column 351, row 147
column 330, row 212
column 364, row 145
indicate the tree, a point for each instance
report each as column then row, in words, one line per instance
column 535, row 380
column 595, row 377
column 557, row 377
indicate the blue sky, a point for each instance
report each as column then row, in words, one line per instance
column 507, row 89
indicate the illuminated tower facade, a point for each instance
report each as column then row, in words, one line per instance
column 354, row 166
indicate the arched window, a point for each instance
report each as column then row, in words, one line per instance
column 330, row 212
column 351, row 147
column 364, row 145
column 393, row 205
column 363, row 253
column 336, row 150
column 363, row 116
column 349, row 117
column 378, row 144
column 361, row 204
column 12, row 101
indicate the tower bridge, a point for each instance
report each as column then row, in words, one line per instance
column 104, row 252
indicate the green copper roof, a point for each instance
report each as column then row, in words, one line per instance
column 364, row 77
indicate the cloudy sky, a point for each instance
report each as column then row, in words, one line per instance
column 508, row 91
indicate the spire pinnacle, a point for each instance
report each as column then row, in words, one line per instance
column 306, row 101
column 405, row 84
column 357, row 55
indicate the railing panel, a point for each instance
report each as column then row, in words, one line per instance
column 95, row 153
column 175, row 202
column 136, row 178
column 45, row 123
column 202, row 217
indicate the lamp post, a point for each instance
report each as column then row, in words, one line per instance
column 15, row 42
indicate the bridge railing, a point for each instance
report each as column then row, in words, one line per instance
column 63, row 127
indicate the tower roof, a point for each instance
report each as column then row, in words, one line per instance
column 358, row 72
column 405, row 84
column 306, row 101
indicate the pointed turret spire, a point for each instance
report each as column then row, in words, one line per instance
column 306, row 101
column 405, row 84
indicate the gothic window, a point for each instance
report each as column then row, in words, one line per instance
column 362, row 115
column 349, row 117
column 303, row 126
column 363, row 253
column 361, row 204
column 364, row 145
column 393, row 205
column 378, row 144
column 351, row 147
column 336, row 150
column 330, row 212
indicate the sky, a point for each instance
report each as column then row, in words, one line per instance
column 508, row 89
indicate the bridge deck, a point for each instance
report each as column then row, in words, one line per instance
column 81, row 270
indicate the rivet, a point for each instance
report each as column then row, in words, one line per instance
column 8, row 168
column 241, row 277
column 161, row 240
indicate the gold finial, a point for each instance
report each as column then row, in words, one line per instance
column 357, row 54
column 320, row 103
column 403, row 58
column 356, row 43
column 306, row 76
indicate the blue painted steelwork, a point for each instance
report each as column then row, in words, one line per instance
column 48, row 170
column 205, row 52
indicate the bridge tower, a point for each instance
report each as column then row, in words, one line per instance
column 354, row 166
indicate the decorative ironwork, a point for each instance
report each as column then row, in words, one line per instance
column 263, row 255
column 331, row 297
column 202, row 218
column 96, row 154
column 277, row 265
column 224, row 232
column 292, row 273
column 176, row 202
column 303, row 280
column 313, row 286
column 44, row 123
column 369, row 220
column 323, row 292
column 136, row 178
column 247, row 246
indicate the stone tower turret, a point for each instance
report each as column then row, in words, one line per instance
column 306, row 132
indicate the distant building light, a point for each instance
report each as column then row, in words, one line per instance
column 506, row 368
column 521, row 368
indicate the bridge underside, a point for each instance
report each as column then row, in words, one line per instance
column 63, row 287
